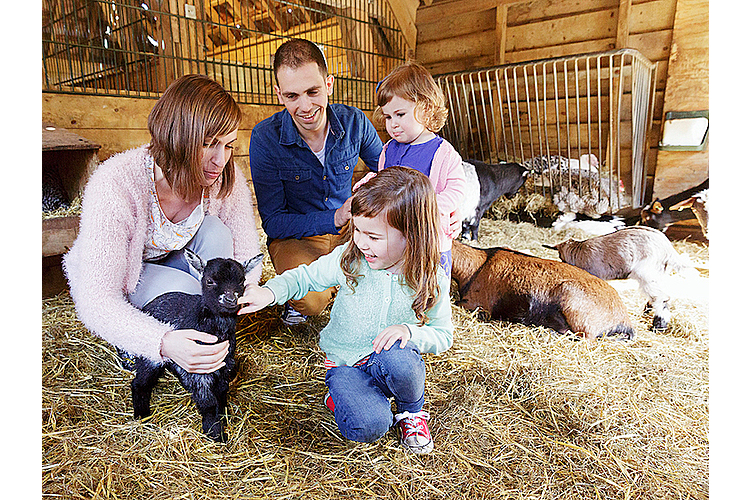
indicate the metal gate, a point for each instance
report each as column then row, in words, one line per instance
column 580, row 124
column 135, row 48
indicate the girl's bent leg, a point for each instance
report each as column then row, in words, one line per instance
column 363, row 412
column 400, row 373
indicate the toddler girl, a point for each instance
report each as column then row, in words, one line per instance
column 393, row 304
column 413, row 108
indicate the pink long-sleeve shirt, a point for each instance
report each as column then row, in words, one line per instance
column 448, row 179
column 105, row 262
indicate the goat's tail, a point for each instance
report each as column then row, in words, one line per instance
column 681, row 264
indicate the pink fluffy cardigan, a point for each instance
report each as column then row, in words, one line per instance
column 104, row 264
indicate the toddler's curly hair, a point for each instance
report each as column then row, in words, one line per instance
column 412, row 81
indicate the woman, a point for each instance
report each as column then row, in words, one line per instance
column 142, row 207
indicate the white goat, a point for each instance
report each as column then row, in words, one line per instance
column 642, row 253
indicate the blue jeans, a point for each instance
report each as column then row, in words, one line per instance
column 361, row 394
column 173, row 273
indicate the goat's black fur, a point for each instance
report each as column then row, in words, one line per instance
column 214, row 312
column 495, row 180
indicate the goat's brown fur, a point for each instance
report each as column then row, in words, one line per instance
column 513, row 286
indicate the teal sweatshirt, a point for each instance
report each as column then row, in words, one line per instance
column 379, row 300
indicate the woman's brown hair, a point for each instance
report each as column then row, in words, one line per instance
column 408, row 199
column 412, row 81
column 192, row 111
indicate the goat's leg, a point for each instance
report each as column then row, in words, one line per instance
column 208, row 406
column 213, row 426
column 658, row 302
column 142, row 385
column 220, row 390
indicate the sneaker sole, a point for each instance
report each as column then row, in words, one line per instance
column 423, row 450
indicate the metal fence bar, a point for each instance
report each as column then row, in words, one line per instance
column 135, row 48
column 593, row 110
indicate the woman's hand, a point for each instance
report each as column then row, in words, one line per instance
column 389, row 336
column 181, row 347
column 256, row 297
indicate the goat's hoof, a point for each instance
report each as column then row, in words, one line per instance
column 140, row 414
column 659, row 325
column 219, row 438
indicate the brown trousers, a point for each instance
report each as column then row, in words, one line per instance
column 289, row 253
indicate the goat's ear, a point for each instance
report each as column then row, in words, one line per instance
column 252, row 263
column 195, row 261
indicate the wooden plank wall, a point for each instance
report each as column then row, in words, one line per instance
column 459, row 35
column 687, row 90
column 120, row 123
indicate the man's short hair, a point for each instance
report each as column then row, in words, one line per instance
column 298, row 52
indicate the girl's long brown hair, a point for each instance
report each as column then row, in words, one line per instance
column 192, row 110
column 408, row 199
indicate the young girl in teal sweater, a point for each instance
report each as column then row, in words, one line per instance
column 393, row 305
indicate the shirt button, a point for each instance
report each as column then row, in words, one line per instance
column 325, row 177
column 296, row 177
column 346, row 167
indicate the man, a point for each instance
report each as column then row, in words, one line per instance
column 302, row 160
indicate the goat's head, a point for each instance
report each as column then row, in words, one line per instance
column 222, row 280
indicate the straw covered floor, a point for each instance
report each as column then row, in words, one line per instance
column 516, row 412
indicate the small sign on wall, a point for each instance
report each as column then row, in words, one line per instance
column 684, row 131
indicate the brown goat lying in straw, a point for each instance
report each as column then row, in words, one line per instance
column 513, row 286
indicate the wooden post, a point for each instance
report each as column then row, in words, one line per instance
column 623, row 24
column 501, row 29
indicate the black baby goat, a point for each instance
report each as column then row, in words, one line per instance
column 214, row 312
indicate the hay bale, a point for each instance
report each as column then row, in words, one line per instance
column 517, row 412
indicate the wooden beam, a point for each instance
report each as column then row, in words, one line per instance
column 405, row 12
column 623, row 24
column 501, row 29
column 271, row 14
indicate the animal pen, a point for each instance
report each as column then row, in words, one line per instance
column 135, row 48
column 580, row 124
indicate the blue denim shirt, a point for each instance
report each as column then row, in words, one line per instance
column 297, row 196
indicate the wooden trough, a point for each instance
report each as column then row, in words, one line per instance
column 71, row 159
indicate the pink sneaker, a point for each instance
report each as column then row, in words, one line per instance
column 413, row 431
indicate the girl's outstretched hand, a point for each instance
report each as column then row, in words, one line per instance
column 389, row 336
column 255, row 298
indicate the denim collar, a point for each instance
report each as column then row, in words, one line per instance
column 290, row 135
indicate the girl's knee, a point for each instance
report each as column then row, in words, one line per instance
column 365, row 426
column 403, row 363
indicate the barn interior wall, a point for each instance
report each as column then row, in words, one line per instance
column 461, row 35
column 120, row 123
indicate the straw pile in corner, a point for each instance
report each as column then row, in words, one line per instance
column 516, row 412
